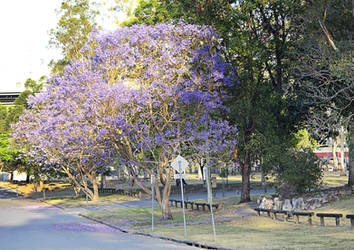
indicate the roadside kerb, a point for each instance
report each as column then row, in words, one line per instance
column 186, row 242
column 54, row 205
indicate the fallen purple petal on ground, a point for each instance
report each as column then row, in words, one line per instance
column 89, row 227
column 36, row 207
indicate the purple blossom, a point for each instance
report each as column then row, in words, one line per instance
column 141, row 95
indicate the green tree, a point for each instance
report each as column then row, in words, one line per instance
column 10, row 159
column 324, row 68
column 3, row 115
column 20, row 103
column 72, row 31
column 259, row 37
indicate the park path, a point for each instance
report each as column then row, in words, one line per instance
column 26, row 224
column 147, row 202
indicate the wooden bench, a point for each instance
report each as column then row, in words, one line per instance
column 323, row 215
column 180, row 202
column 190, row 203
column 213, row 205
column 275, row 212
column 200, row 204
column 203, row 205
column 351, row 217
column 175, row 202
column 259, row 210
column 171, row 201
column 308, row 214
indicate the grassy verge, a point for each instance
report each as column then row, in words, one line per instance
column 246, row 232
column 344, row 206
column 334, row 179
column 264, row 233
column 138, row 218
column 28, row 189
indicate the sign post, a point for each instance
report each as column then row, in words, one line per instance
column 152, row 200
column 180, row 164
column 210, row 199
column 86, row 192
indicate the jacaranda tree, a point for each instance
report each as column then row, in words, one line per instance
column 138, row 96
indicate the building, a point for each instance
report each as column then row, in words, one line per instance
column 325, row 154
column 8, row 98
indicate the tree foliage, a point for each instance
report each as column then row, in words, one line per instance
column 75, row 24
column 141, row 96
column 258, row 37
column 21, row 102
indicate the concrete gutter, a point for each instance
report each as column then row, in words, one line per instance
column 181, row 241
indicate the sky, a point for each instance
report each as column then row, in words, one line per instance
column 24, row 50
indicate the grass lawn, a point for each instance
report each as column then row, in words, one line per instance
column 27, row 189
column 344, row 206
column 243, row 233
column 264, row 233
column 334, row 179
column 139, row 218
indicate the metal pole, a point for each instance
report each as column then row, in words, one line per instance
column 43, row 193
column 210, row 198
column 184, row 214
column 152, row 200
column 86, row 192
column 207, row 173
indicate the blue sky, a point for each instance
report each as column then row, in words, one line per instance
column 24, row 27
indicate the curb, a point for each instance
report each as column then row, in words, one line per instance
column 156, row 236
column 54, row 205
column 44, row 201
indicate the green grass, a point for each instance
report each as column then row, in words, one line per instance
column 334, row 179
column 244, row 233
column 264, row 233
column 344, row 205
column 140, row 217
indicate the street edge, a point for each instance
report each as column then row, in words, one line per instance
column 156, row 236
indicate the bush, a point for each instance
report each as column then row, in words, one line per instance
column 297, row 172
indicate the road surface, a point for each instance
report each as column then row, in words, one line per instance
column 26, row 224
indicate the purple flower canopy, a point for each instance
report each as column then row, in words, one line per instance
column 139, row 94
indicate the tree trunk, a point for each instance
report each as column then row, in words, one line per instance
column 245, row 171
column 342, row 165
column 334, row 153
column 263, row 179
column 95, row 187
column 165, row 208
column 200, row 171
column 164, row 200
column 328, row 36
column 102, row 181
column 27, row 178
column 351, row 173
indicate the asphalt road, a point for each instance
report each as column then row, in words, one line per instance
column 27, row 225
